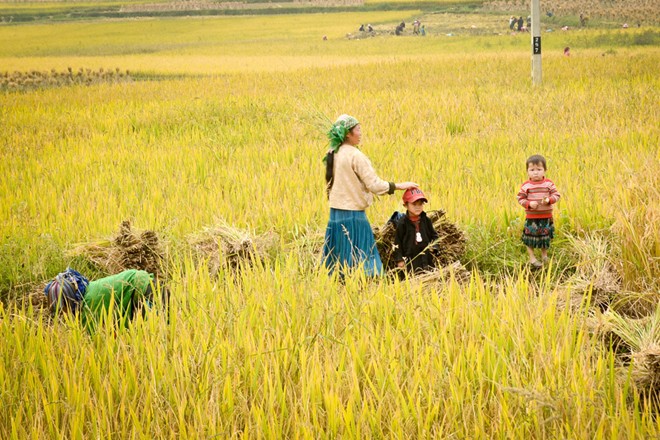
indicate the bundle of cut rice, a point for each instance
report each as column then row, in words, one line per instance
column 601, row 287
column 223, row 244
column 646, row 372
column 595, row 274
column 130, row 249
column 602, row 326
column 643, row 338
column 451, row 241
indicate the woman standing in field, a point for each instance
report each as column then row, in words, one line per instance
column 351, row 182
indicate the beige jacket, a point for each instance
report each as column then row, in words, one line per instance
column 355, row 180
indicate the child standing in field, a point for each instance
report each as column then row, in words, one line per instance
column 537, row 195
column 414, row 235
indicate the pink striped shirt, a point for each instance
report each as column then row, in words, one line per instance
column 536, row 192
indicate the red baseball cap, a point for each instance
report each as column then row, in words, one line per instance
column 413, row 194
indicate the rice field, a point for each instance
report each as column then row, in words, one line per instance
column 221, row 121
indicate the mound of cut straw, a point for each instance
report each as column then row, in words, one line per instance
column 225, row 246
column 129, row 249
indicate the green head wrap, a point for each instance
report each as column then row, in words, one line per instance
column 339, row 130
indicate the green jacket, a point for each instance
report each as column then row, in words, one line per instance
column 119, row 293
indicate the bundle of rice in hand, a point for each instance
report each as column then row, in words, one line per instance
column 450, row 247
column 130, row 249
column 224, row 245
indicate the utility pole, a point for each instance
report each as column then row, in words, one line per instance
column 536, row 42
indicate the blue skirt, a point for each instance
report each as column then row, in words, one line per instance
column 349, row 243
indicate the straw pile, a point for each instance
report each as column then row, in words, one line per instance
column 128, row 250
column 646, row 372
column 595, row 274
column 223, row 246
column 639, row 341
column 602, row 326
column 451, row 241
column 602, row 286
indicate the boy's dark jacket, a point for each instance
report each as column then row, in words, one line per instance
column 417, row 256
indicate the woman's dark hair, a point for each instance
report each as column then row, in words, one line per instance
column 329, row 171
column 536, row 159
column 330, row 168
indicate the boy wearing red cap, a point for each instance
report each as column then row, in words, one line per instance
column 414, row 234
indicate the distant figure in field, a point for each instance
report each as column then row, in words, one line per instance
column 416, row 27
column 625, row 25
column 529, row 22
column 361, row 28
column 537, row 195
column 520, row 23
column 351, row 182
column 370, row 28
column 564, row 28
column 325, row 38
column 512, row 22
column 583, row 20
column 550, row 14
column 422, row 31
column 399, row 29
column 567, row 51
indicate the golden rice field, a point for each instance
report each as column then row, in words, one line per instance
column 222, row 120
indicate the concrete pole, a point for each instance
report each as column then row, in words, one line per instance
column 536, row 42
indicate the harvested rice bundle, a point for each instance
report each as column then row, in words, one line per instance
column 127, row 250
column 602, row 287
column 643, row 338
column 225, row 245
column 646, row 373
column 601, row 325
column 451, row 241
column 595, row 274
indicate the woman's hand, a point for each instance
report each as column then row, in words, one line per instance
column 534, row 204
column 406, row 185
